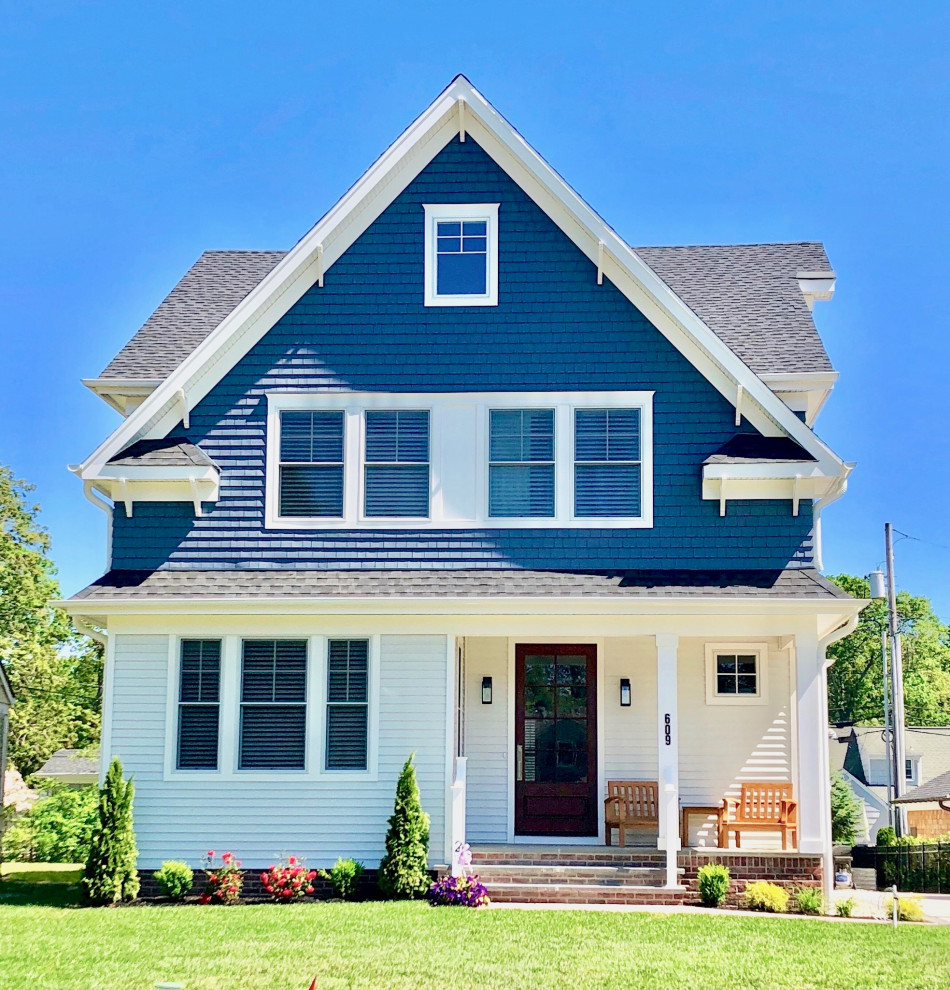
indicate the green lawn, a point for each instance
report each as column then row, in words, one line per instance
column 47, row 943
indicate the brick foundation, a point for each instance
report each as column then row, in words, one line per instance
column 253, row 889
column 788, row 870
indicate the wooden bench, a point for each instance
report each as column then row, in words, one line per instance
column 630, row 804
column 762, row 807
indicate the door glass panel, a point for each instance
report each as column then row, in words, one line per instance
column 539, row 701
column 571, row 750
column 572, row 670
column 571, row 701
column 539, row 670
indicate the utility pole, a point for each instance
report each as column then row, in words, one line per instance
column 897, row 685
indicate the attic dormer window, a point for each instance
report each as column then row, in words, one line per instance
column 461, row 254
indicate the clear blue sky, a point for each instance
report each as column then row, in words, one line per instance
column 134, row 136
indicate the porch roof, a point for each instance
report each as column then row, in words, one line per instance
column 126, row 585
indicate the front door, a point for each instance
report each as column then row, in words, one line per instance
column 556, row 740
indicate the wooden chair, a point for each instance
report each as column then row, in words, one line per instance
column 762, row 807
column 630, row 804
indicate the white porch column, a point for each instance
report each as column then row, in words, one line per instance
column 668, row 752
column 814, row 784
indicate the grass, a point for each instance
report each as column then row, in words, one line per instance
column 45, row 943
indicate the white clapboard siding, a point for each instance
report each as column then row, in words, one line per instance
column 722, row 745
column 630, row 733
column 317, row 818
column 486, row 740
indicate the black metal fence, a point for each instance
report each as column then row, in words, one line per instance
column 921, row 869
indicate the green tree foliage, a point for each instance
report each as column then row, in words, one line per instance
column 110, row 874
column 855, row 680
column 846, row 812
column 57, row 829
column 55, row 673
column 403, row 870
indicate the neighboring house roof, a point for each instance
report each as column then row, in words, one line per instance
column 169, row 452
column 70, row 765
column 748, row 294
column 288, row 583
column 937, row 789
column 461, row 110
column 750, row 448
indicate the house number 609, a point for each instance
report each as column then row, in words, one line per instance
column 666, row 731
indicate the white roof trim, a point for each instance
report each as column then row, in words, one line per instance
column 324, row 244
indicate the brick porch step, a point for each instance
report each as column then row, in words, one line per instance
column 603, row 876
column 583, row 893
column 578, row 856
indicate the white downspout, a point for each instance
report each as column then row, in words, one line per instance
column 832, row 495
column 94, row 496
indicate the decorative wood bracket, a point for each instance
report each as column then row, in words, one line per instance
column 739, row 394
column 195, row 495
column 600, row 262
column 461, row 104
column 183, row 402
column 126, row 496
column 319, row 266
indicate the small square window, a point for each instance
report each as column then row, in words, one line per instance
column 735, row 674
column 461, row 255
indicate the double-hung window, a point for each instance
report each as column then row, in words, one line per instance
column 199, row 695
column 347, row 704
column 396, row 463
column 607, row 466
column 273, row 705
column 311, row 463
column 521, row 462
column 461, row 255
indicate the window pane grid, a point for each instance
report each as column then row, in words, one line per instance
column 347, row 704
column 521, row 462
column 461, row 257
column 198, row 704
column 736, row 673
column 311, row 463
column 607, row 465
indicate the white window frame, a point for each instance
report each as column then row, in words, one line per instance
column 436, row 212
column 448, row 447
column 761, row 653
column 229, row 712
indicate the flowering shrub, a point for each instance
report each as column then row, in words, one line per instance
column 286, row 881
column 465, row 891
column 223, row 881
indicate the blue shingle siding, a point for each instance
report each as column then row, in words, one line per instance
column 553, row 328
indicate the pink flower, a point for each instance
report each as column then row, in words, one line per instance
column 310, row 890
column 210, row 854
column 292, row 860
column 204, row 899
column 269, row 889
column 213, row 877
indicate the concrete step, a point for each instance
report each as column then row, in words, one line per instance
column 608, row 876
column 583, row 893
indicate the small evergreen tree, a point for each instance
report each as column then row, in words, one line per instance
column 110, row 869
column 846, row 812
column 403, row 870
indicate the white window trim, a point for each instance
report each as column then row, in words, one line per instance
column 761, row 652
column 229, row 717
column 439, row 404
column 434, row 212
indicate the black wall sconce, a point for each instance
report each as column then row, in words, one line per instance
column 624, row 692
column 486, row 690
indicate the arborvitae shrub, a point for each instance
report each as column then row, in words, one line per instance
column 110, row 874
column 403, row 870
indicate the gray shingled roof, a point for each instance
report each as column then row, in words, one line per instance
column 748, row 294
column 69, row 763
column 291, row 583
column 167, row 452
column 750, row 448
column 937, row 789
column 209, row 290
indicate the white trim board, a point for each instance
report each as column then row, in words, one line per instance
column 306, row 264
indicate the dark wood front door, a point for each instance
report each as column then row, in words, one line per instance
column 556, row 740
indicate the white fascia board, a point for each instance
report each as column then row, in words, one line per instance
column 372, row 194
column 805, row 470
column 448, row 606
